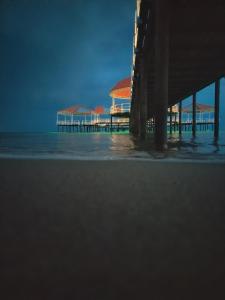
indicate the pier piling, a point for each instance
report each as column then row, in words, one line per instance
column 143, row 100
column 161, row 72
column 217, row 109
column 194, row 114
column 171, row 120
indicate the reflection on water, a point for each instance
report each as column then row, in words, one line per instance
column 122, row 144
column 110, row 146
column 202, row 146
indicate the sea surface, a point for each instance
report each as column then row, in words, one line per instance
column 110, row 146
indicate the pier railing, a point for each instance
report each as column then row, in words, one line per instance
column 120, row 108
column 83, row 122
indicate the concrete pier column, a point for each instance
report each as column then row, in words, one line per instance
column 180, row 118
column 132, row 112
column 217, row 109
column 171, row 119
column 194, row 115
column 143, row 99
column 161, row 72
column 135, row 108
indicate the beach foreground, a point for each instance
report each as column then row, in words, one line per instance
column 112, row 230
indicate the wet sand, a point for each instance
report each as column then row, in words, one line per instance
column 112, row 230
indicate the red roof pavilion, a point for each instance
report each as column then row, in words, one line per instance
column 122, row 90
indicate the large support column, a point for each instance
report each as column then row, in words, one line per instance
column 217, row 109
column 194, row 115
column 161, row 72
column 143, row 98
column 132, row 112
column 135, row 108
column 171, row 119
column 180, row 118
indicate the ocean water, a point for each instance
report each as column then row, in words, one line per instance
column 110, row 146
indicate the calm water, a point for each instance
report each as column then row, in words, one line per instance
column 109, row 146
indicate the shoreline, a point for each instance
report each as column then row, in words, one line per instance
column 121, row 159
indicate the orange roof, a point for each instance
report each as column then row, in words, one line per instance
column 76, row 110
column 81, row 110
column 199, row 108
column 99, row 110
column 122, row 90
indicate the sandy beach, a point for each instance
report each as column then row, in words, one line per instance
column 112, row 230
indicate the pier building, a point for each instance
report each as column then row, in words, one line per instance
column 120, row 107
column 81, row 118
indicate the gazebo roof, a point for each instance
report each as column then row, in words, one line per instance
column 199, row 108
column 122, row 90
column 81, row 110
column 76, row 110
column 99, row 110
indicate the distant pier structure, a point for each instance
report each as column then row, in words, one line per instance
column 178, row 49
column 178, row 118
column 120, row 107
column 79, row 118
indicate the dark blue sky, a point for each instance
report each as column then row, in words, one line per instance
column 56, row 53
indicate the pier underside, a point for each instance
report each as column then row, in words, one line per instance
column 179, row 49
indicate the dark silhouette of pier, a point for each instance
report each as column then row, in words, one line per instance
column 179, row 48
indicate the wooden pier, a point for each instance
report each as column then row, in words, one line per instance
column 125, row 126
column 184, row 126
column 63, row 126
column 179, row 48
column 118, row 119
column 82, row 119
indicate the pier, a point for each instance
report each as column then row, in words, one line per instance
column 179, row 49
column 117, row 118
column 79, row 118
column 120, row 107
column 67, row 126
